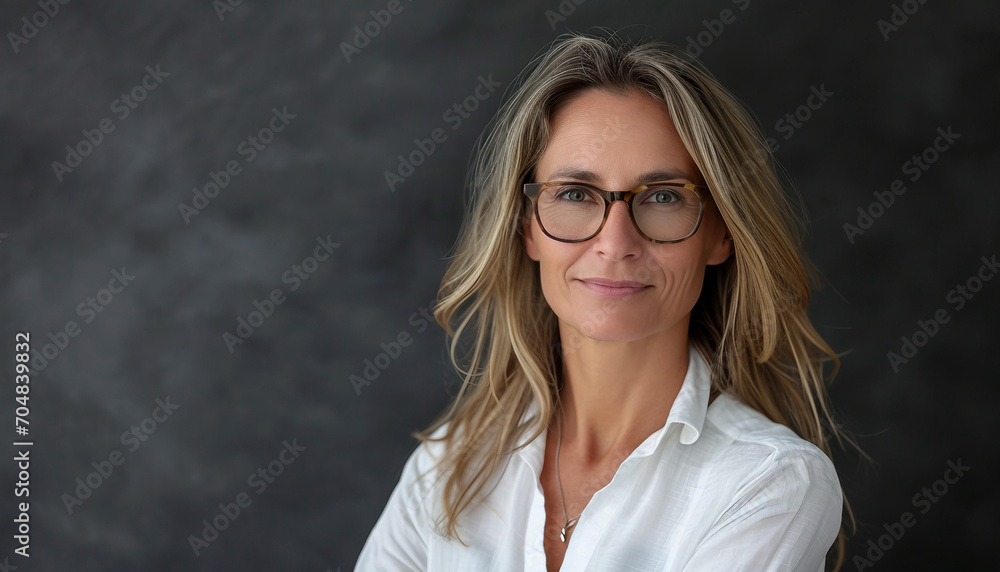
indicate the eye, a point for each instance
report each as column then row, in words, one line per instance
column 574, row 194
column 662, row 196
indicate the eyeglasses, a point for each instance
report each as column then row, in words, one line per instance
column 575, row 212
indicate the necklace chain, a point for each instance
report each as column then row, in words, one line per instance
column 569, row 521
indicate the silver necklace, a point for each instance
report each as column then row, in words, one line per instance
column 569, row 521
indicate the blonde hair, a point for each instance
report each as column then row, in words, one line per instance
column 750, row 323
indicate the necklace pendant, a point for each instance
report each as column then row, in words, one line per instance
column 562, row 533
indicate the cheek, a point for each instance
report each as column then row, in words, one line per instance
column 549, row 270
column 555, row 266
column 684, row 274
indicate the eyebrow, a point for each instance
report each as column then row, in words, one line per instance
column 644, row 179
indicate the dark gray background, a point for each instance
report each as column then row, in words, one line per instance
column 324, row 175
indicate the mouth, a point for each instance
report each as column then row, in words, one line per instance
column 614, row 288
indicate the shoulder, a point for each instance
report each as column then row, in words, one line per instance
column 421, row 468
column 758, row 453
column 401, row 536
column 770, row 499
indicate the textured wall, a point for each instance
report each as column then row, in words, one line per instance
column 133, row 281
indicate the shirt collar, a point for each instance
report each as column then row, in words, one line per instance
column 688, row 410
column 691, row 404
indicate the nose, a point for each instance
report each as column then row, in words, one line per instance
column 619, row 237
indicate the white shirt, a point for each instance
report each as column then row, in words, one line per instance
column 718, row 490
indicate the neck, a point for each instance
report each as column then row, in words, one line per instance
column 616, row 394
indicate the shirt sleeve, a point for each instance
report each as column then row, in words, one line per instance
column 786, row 519
column 398, row 542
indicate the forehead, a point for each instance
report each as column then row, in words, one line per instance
column 617, row 137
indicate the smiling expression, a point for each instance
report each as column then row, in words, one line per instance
column 618, row 286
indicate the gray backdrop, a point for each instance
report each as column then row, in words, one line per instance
column 149, row 389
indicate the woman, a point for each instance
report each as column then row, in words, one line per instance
column 642, row 387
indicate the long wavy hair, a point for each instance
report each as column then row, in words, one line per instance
column 750, row 322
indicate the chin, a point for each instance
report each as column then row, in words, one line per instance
column 608, row 331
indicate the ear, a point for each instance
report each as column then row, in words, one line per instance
column 527, row 233
column 722, row 250
column 721, row 246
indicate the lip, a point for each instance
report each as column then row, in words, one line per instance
column 613, row 288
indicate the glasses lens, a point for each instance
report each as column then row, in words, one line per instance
column 573, row 212
column 666, row 213
column 570, row 212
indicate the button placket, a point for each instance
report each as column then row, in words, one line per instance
column 534, row 548
column 595, row 519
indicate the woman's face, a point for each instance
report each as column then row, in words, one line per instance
column 619, row 139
